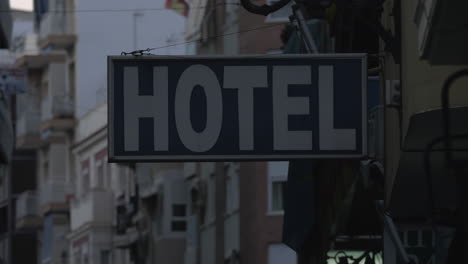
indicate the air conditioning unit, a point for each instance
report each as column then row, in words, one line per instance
column 441, row 31
column 393, row 92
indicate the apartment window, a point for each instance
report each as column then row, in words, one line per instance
column 277, row 178
column 281, row 15
column 232, row 189
column 99, row 174
column 211, row 192
column 278, row 191
column 99, row 159
column 71, row 84
column 179, row 221
column 85, row 177
column 107, row 173
column 45, row 167
column 105, row 257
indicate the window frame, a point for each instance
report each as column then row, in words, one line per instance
column 232, row 194
column 271, row 180
column 100, row 174
column 85, row 174
column 100, row 169
column 175, row 218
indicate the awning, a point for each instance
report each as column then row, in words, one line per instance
column 427, row 126
column 410, row 197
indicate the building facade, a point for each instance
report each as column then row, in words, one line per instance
column 73, row 205
column 17, row 174
column 421, row 193
column 98, row 188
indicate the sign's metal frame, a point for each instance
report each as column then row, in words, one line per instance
column 278, row 157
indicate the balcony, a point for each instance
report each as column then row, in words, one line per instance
column 95, row 207
column 57, row 113
column 33, row 61
column 27, row 212
column 27, row 127
column 54, row 197
column 28, row 55
column 56, row 30
column 25, row 45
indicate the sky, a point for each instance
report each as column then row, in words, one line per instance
column 21, row 4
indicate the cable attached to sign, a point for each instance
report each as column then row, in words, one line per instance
column 138, row 53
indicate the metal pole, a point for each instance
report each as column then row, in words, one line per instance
column 9, row 214
column 297, row 19
column 455, row 169
column 299, row 22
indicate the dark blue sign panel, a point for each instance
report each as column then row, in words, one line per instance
column 237, row 108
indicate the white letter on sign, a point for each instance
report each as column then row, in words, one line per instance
column 283, row 106
column 154, row 106
column 245, row 78
column 331, row 138
column 203, row 76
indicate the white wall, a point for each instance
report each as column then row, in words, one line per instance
column 281, row 254
column 278, row 168
column 109, row 33
column 57, row 162
column 208, row 238
column 91, row 122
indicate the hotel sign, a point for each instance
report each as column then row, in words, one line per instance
column 237, row 108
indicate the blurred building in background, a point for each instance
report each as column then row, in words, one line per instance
column 72, row 204
column 18, row 176
column 5, row 142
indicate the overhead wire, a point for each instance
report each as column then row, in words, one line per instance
column 121, row 10
column 214, row 37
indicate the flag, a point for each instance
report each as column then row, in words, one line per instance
column 180, row 6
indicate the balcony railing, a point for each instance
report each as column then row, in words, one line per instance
column 28, row 124
column 26, row 205
column 62, row 106
column 54, row 196
column 59, row 106
column 55, row 23
column 96, row 206
column 25, row 45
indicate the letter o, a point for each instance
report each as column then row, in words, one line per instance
column 206, row 78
